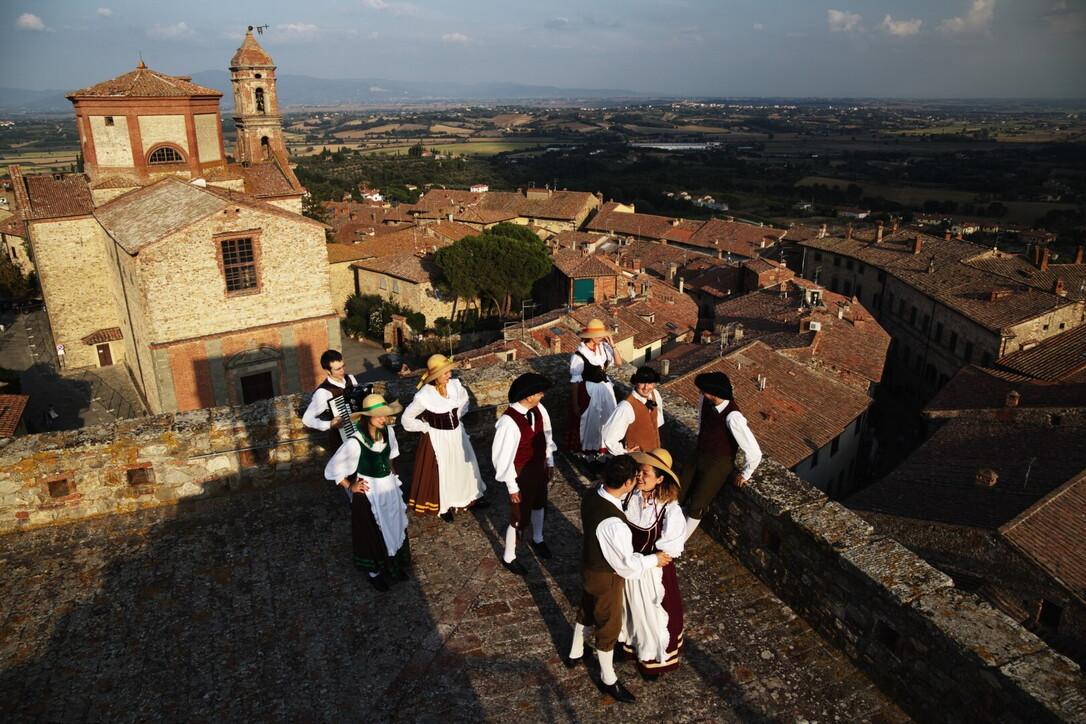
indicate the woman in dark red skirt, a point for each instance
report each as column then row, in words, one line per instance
column 653, row 625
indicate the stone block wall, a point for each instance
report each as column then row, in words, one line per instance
column 942, row 653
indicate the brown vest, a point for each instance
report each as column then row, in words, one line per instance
column 595, row 510
column 642, row 432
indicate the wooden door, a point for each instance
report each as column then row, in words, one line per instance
column 105, row 359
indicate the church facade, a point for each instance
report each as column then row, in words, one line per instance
column 197, row 272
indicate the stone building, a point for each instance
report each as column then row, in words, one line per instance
column 197, row 273
column 946, row 302
column 408, row 279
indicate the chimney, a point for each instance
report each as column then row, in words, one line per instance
column 946, row 236
column 840, row 311
column 556, row 345
column 1078, row 255
column 1012, row 399
column 931, row 264
column 1035, row 252
column 1058, row 288
column 918, row 244
column 986, row 478
column 672, row 267
column 18, row 187
column 1044, row 259
column 637, row 264
column 737, row 332
column 665, row 367
column 878, row 233
column 822, row 232
column 893, row 227
column 958, row 236
column 762, row 380
column 848, row 232
column 682, row 284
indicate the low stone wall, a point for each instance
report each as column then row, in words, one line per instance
column 943, row 654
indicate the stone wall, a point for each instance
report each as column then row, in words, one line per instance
column 942, row 653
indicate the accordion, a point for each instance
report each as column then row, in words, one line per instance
column 342, row 407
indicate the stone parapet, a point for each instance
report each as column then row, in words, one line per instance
column 942, row 653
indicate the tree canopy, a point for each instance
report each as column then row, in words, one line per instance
column 501, row 264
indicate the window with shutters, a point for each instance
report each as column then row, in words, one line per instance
column 239, row 261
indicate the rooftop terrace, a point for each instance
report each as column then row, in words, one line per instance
column 227, row 592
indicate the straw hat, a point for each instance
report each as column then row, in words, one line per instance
column 375, row 406
column 659, row 459
column 437, row 364
column 595, row 330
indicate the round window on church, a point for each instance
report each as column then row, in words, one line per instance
column 165, row 154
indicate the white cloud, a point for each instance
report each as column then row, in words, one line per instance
column 978, row 19
column 396, row 8
column 842, row 21
column 759, row 26
column 459, row 38
column 169, row 32
column 105, row 12
column 901, row 28
column 30, row 21
column 556, row 24
column 297, row 31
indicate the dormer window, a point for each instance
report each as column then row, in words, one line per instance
column 165, row 155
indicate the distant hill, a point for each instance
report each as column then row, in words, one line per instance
column 300, row 90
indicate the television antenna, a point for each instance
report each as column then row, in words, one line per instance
column 259, row 29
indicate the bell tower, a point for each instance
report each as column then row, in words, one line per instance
column 256, row 105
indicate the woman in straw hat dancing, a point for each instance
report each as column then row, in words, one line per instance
column 653, row 625
column 446, row 473
column 363, row 467
column 592, row 399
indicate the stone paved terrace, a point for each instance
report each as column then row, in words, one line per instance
column 246, row 607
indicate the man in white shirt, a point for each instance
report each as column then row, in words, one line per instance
column 635, row 424
column 722, row 432
column 607, row 559
column 523, row 456
column 318, row 416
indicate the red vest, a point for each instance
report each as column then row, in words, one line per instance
column 530, row 460
column 714, row 437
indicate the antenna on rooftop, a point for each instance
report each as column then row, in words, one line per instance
column 259, row 29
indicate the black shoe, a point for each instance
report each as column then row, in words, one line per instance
column 448, row 516
column 479, row 504
column 618, row 692
column 400, row 574
column 573, row 663
column 515, row 567
column 378, row 582
column 541, row 549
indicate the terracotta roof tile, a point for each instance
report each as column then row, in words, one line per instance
column 144, row 83
column 265, row 180
column 797, row 413
column 115, row 182
column 410, row 267
column 1062, row 357
column 110, row 334
column 409, row 240
column 13, row 226
column 1050, row 534
column 978, row 388
column 58, row 196
column 938, row 481
column 956, row 281
column 577, row 265
column 11, row 412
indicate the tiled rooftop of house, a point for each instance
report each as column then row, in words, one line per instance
column 1030, row 457
column 798, row 412
column 981, row 388
column 145, row 83
column 246, row 607
column 11, row 413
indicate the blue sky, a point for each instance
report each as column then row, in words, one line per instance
column 901, row 48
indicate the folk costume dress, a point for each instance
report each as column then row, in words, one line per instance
column 653, row 625
column 379, row 516
column 595, row 396
column 446, row 471
column 636, row 421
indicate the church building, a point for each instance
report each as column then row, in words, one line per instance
column 198, row 273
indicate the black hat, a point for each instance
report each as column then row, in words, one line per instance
column 527, row 385
column 716, row 384
column 644, row 375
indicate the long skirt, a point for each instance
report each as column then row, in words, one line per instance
column 653, row 625
column 597, row 402
column 446, row 473
column 379, row 526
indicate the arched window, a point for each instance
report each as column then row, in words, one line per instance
column 265, row 148
column 165, row 154
column 259, row 100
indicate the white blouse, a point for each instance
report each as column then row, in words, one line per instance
column 643, row 515
column 603, row 354
column 428, row 398
column 345, row 462
column 506, row 441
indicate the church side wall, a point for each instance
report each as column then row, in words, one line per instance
column 111, row 143
column 163, row 129
column 207, row 137
column 73, row 268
